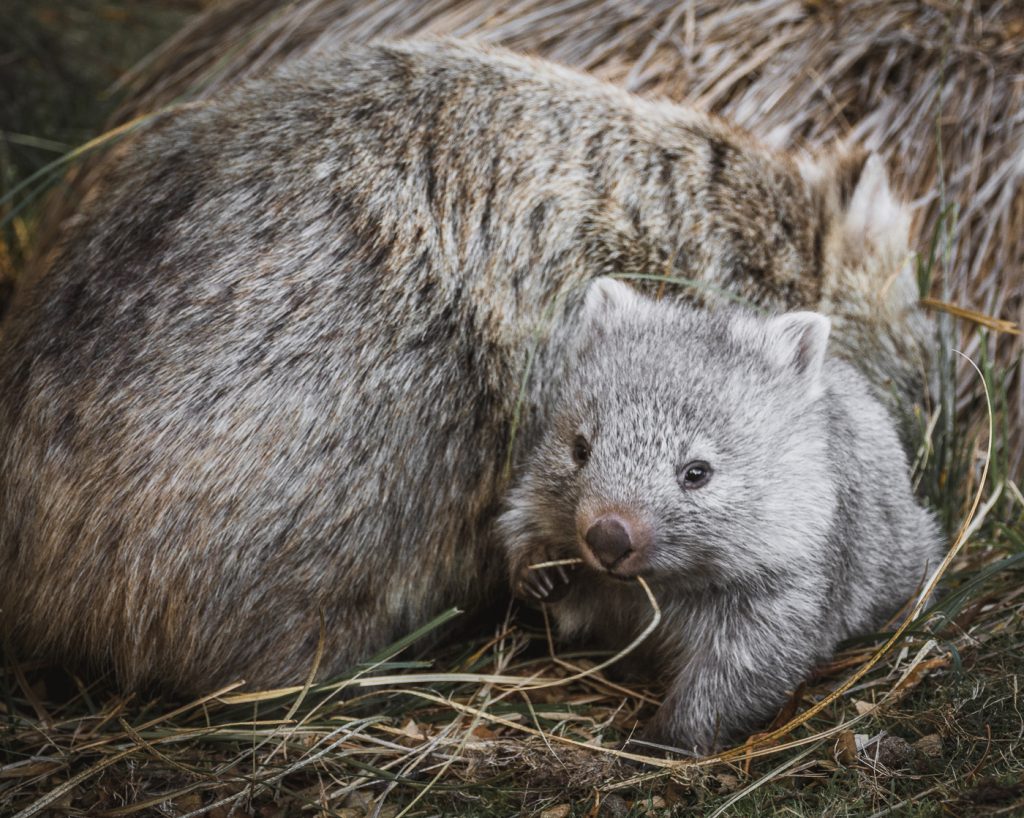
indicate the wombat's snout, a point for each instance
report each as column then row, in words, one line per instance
column 615, row 543
column 609, row 539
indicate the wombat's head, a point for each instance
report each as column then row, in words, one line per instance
column 685, row 445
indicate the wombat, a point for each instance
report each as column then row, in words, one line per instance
column 757, row 485
column 275, row 371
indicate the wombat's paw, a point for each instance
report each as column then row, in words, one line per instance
column 541, row 584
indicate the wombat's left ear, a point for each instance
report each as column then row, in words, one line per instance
column 797, row 341
column 606, row 296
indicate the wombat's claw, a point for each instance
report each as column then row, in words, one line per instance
column 545, row 584
column 535, row 585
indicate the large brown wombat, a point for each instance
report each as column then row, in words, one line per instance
column 276, row 369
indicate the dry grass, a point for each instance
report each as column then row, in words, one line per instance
column 504, row 723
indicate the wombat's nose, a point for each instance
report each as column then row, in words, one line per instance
column 609, row 539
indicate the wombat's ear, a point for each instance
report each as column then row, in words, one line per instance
column 855, row 187
column 797, row 341
column 606, row 296
column 874, row 213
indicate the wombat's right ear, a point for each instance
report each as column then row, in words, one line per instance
column 797, row 341
column 855, row 186
column 607, row 296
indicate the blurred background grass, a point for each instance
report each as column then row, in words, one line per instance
column 59, row 62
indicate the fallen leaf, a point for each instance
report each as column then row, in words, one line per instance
column 863, row 708
column 846, row 748
column 412, row 730
column 915, row 677
column 930, row 745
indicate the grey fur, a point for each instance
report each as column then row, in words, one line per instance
column 276, row 367
column 806, row 533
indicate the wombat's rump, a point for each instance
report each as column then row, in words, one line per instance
column 274, row 371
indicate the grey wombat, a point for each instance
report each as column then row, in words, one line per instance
column 276, row 367
column 759, row 486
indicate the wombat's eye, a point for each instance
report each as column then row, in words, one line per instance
column 580, row 450
column 694, row 475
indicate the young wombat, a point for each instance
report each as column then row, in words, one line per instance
column 755, row 483
column 275, row 370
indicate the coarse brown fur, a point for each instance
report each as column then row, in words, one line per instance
column 275, row 370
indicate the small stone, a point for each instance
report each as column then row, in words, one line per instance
column 557, row 811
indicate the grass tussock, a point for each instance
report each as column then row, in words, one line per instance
column 58, row 60
column 924, row 719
